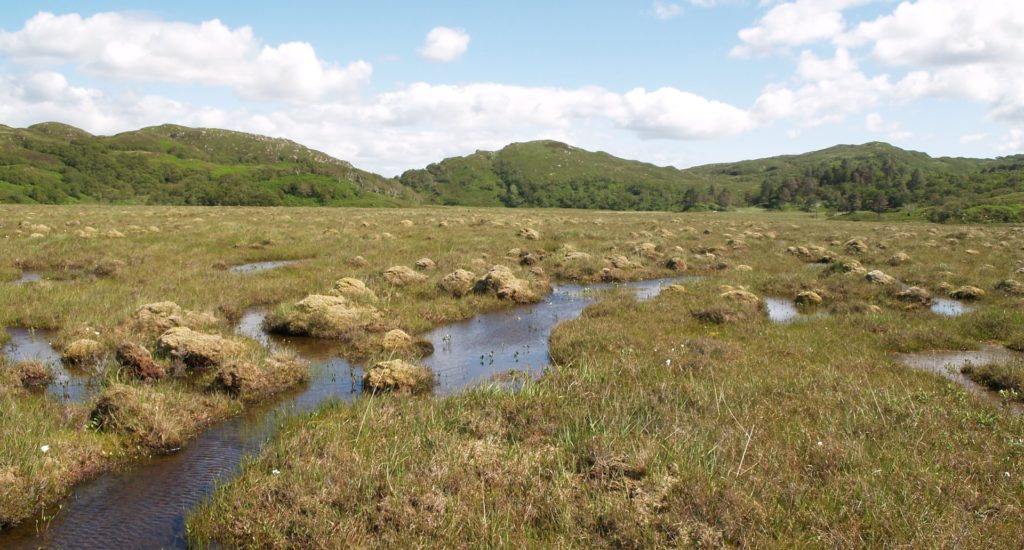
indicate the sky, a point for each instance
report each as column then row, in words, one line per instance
column 391, row 86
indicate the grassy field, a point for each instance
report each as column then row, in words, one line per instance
column 689, row 419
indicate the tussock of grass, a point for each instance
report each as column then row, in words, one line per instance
column 656, row 428
column 157, row 419
column 1006, row 378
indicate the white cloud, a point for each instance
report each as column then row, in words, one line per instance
column 397, row 130
column 827, row 91
column 134, row 47
column 445, row 44
column 671, row 113
column 876, row 124
column 971, row 138
column 1014, row 141
column 953, row 48
column 663, row 10
column 794, row 24
column 944, row 32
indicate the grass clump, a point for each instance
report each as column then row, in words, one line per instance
column 156, row 419
column 1005, row 378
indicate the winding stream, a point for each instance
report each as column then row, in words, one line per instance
column 146, row 506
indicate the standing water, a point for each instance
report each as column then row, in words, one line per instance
column 950, row 363
column 34, row 345
column 146, row 506
column 949, row 308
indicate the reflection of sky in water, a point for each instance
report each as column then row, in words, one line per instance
column 34, row 345
column 145, row 507
column 261, row 266
column 950, row 308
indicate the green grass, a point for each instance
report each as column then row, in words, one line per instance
column 652, row 429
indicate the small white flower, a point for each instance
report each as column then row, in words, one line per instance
column 668, row 362
column 45, row 449
column 820, row 444
column 276, row 472
column 1007, row 474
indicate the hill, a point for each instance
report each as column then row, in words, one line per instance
column 845, row 178
column 57, row 163
column 551, row 174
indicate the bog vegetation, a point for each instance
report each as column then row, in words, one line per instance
column 688, row 419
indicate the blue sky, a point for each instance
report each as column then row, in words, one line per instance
column 396, row 85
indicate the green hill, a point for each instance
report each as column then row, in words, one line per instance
column 551, row 174
column 881, row 178
column 57, row 163
column 845, row 178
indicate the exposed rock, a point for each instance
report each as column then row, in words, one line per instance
column 401, row 275
column 808, row 298
column 358, row 261
column 195, row 349
column 880, row 278
column 83, row 352
column 744, row 267
column 406, row 223
column 425, row 264
column 137, row 361
column 502, row 282
column 457, row 283
column 968, row 293
column 915, row 295
column 398, row 376
column 353, row 288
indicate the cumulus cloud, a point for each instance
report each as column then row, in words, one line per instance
column 827, row 90
column 876, row 124
column 392, row 131
column 794, row 24
column 129, row 46
column 445, row 44
column 953, row 48
column 667, row 10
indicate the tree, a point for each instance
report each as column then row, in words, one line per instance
column 879, row 204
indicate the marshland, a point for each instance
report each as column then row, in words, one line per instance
column 475, row 376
